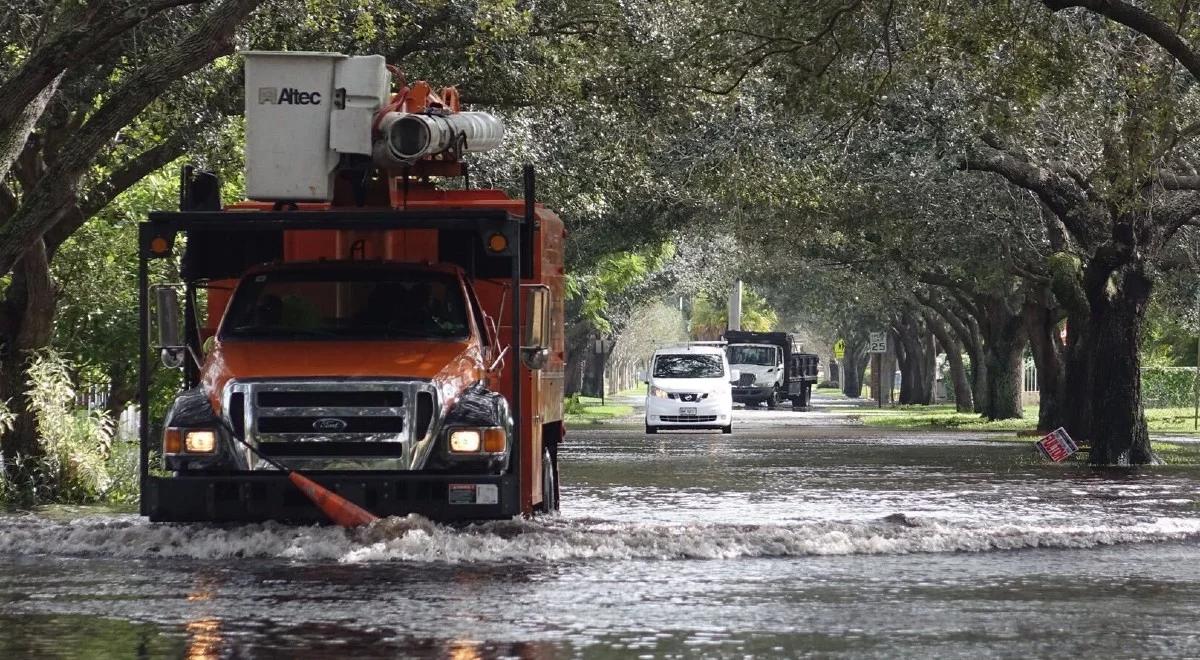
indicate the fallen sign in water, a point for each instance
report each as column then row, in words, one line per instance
column 1057, row 445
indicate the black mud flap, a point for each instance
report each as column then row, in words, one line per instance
column 261, row 496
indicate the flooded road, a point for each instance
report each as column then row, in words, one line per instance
column 789, row 538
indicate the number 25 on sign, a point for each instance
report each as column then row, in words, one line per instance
column 878, row 342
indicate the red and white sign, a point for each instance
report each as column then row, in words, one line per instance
column 1057, row 446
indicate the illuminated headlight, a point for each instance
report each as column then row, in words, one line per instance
column 200, row 442
column 659, row 393
column 491, row 440
column 465, row 441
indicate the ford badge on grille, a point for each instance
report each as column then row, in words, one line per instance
column 330, row 424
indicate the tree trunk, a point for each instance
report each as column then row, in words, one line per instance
column 963, row 399
column 25, row 326
column 918, row 361
column 1003, row 357
column 1077, row 387
column 121, row 391
column 966, row 330
column 905, row 362
column 888, row 370
column 1041, row 326
column 1118, row 435
column 578, row 344
column 853, row 365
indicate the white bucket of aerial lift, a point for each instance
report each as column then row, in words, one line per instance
column 409, row 137
column 302, row 111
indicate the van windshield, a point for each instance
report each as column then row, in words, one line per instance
column 688, row 366
column 759, row 355
column 350, row 303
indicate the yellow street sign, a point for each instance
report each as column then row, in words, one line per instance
column 839, row 349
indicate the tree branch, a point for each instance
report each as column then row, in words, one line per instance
column 1179, row 181
column 1141, row 21
column 1060, row 195
column 100, row 196
column 76, row 44
column 56, row 192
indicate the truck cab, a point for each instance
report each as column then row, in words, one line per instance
column 762, row 371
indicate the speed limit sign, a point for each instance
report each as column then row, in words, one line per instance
column 878, row 341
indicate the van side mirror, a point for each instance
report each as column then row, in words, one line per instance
column 170, row 342
column 642, row 376
column 535, row 340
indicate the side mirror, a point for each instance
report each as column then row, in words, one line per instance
column 735, row 375
column 170, row 341
column 642, row 376
column 535, row 341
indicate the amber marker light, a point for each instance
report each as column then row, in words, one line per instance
column 495, row 440
column 497, row 243
column 159, row 245
column 172, row 441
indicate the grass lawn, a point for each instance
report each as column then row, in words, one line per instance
column 831, row 392
column 1160, row 420
column 943, row 416
column 591, row 412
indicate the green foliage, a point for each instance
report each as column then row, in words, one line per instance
column 1167, row 387
column 97, row 315
column 80, row 463
column 573, row 405
column 710, row 320
column 613, row 276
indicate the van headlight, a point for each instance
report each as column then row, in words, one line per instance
column 659, row 393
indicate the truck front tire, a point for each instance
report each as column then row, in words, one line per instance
column 651, row 430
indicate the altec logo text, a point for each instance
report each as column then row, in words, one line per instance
column 289, row 96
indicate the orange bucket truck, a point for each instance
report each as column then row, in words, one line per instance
column 398, row 341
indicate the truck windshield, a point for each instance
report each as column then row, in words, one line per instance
column 360, row 303
column 760, row 355
column 688, row 366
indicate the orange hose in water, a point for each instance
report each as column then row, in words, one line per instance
column 340, row 510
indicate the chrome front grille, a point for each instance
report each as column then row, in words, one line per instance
column 346, row 420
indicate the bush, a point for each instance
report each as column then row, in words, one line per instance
column 1168, row 387
column 573, row 405
column 81, row 462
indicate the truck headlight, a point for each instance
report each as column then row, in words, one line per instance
column 200, row 442
column 465, row 441
column 490, row 440
column 659, row 392
column 189, row 441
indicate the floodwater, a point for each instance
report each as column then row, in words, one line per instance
column 790, row 538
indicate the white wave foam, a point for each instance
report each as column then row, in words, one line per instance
column 418, row 540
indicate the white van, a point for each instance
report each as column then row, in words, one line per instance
column 688, row 387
